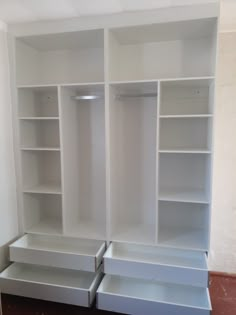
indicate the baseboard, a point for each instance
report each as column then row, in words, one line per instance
column 222, row 274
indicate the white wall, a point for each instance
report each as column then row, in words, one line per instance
column 223, row 234
column 8, row 204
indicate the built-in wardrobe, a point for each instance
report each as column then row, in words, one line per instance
column 113, row 124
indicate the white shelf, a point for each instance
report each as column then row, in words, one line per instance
column 43, row 189
column 177, row 79
column 136, row 233
column 46, row 226
column 186, row 238
column 183, row 195
column 187, row 116
column 187, row 151
column 38, row 118
column 39, row 149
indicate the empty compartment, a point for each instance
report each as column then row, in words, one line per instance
column 38, row 102
column 83, row 138
column 133, row 125
column 184, row 177
column 165, row 50
column 183, row 225
column 60, row 58
column 157, row 263
column 42, row 213
column 58, row 251
column 185, row 134
column 187, row 97
column 41, row 171
column 36, row 134
column 135, row 296
column 50, row 283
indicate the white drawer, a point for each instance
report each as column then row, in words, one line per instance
column 50, row 283
column 58, row 251
column 138, row 297
column 157, row 263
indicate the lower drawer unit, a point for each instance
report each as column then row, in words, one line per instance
column 50, row 283
column 138, row 297
column 157, row 263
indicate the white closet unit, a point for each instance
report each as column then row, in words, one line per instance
column 113, row 122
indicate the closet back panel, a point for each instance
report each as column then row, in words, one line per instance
column 83, row 138
column 60, row 58
column 168, row 50
column 133, row 128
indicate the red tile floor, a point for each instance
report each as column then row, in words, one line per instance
column 222, row 290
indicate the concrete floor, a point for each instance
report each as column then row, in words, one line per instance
column 222, row 290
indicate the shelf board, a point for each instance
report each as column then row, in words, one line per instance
column 162, row 80
column 43, row 189
column 30, row 86
column 182, row 237
column 188, row 78
column 183, row 195
column 51, row 226
column 87, row 229
column 134, row 233
column 186, row 151
column 39, row 118
column 40, row 149
column 187, row 116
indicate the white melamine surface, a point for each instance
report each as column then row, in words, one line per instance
column 187, row 97
column 184, row 177
column 39, row 133
column 41, row 168
column 42, row 213
column 141, row 138
column 156, row 255
column 134, row 296
column 183, row 225
column 38, row 102
column 50, row 283
column 71, row 253
column 185, row 134
column 133, row 124
column 157, row 263
column 83, row 141
column 140, row 52
column 74, row 57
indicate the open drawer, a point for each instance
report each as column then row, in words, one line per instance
column 58, row 251
column 138, row 297
column 157, row 263
column 50, row 283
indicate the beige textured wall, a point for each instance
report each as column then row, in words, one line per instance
column 223, row 234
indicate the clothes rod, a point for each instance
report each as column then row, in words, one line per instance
column 118, row 96
column 86, row 97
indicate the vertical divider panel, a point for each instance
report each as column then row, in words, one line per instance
column 211, row 104
column 157, row 156
column 107, row 134
column 62, row 157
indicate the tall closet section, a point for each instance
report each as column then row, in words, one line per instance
column 114, row 144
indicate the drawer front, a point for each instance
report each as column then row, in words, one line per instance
column 54, row 259
column 134, row 306
column 173, row 274
column 62, row 252
column 51, row 284
column 45, row 292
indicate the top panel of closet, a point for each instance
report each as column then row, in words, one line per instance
column 148, row 52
